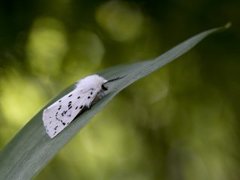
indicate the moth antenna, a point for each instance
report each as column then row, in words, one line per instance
column 114, row 79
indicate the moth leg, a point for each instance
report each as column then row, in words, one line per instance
column 99, row 96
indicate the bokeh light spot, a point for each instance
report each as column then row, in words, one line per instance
column 120, row 20
column 20, row 98
column 46, row 46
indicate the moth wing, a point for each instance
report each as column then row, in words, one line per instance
column 52, row 115
column 58, row 115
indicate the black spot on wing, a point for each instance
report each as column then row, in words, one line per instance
column 63, row 113
column 69, row 105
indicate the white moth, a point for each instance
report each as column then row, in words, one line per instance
column 57, row 116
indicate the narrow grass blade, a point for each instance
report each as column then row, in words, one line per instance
column 31, row 149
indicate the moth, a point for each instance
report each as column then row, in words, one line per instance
column 61, row 113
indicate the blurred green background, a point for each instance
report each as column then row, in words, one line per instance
column 180, row 123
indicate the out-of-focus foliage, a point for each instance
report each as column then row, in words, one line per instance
column 179, row 123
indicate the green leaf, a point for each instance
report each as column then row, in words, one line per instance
column 31, row 149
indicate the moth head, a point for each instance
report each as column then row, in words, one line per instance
column 104, row 87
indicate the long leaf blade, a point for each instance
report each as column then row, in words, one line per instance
column 31, row 149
